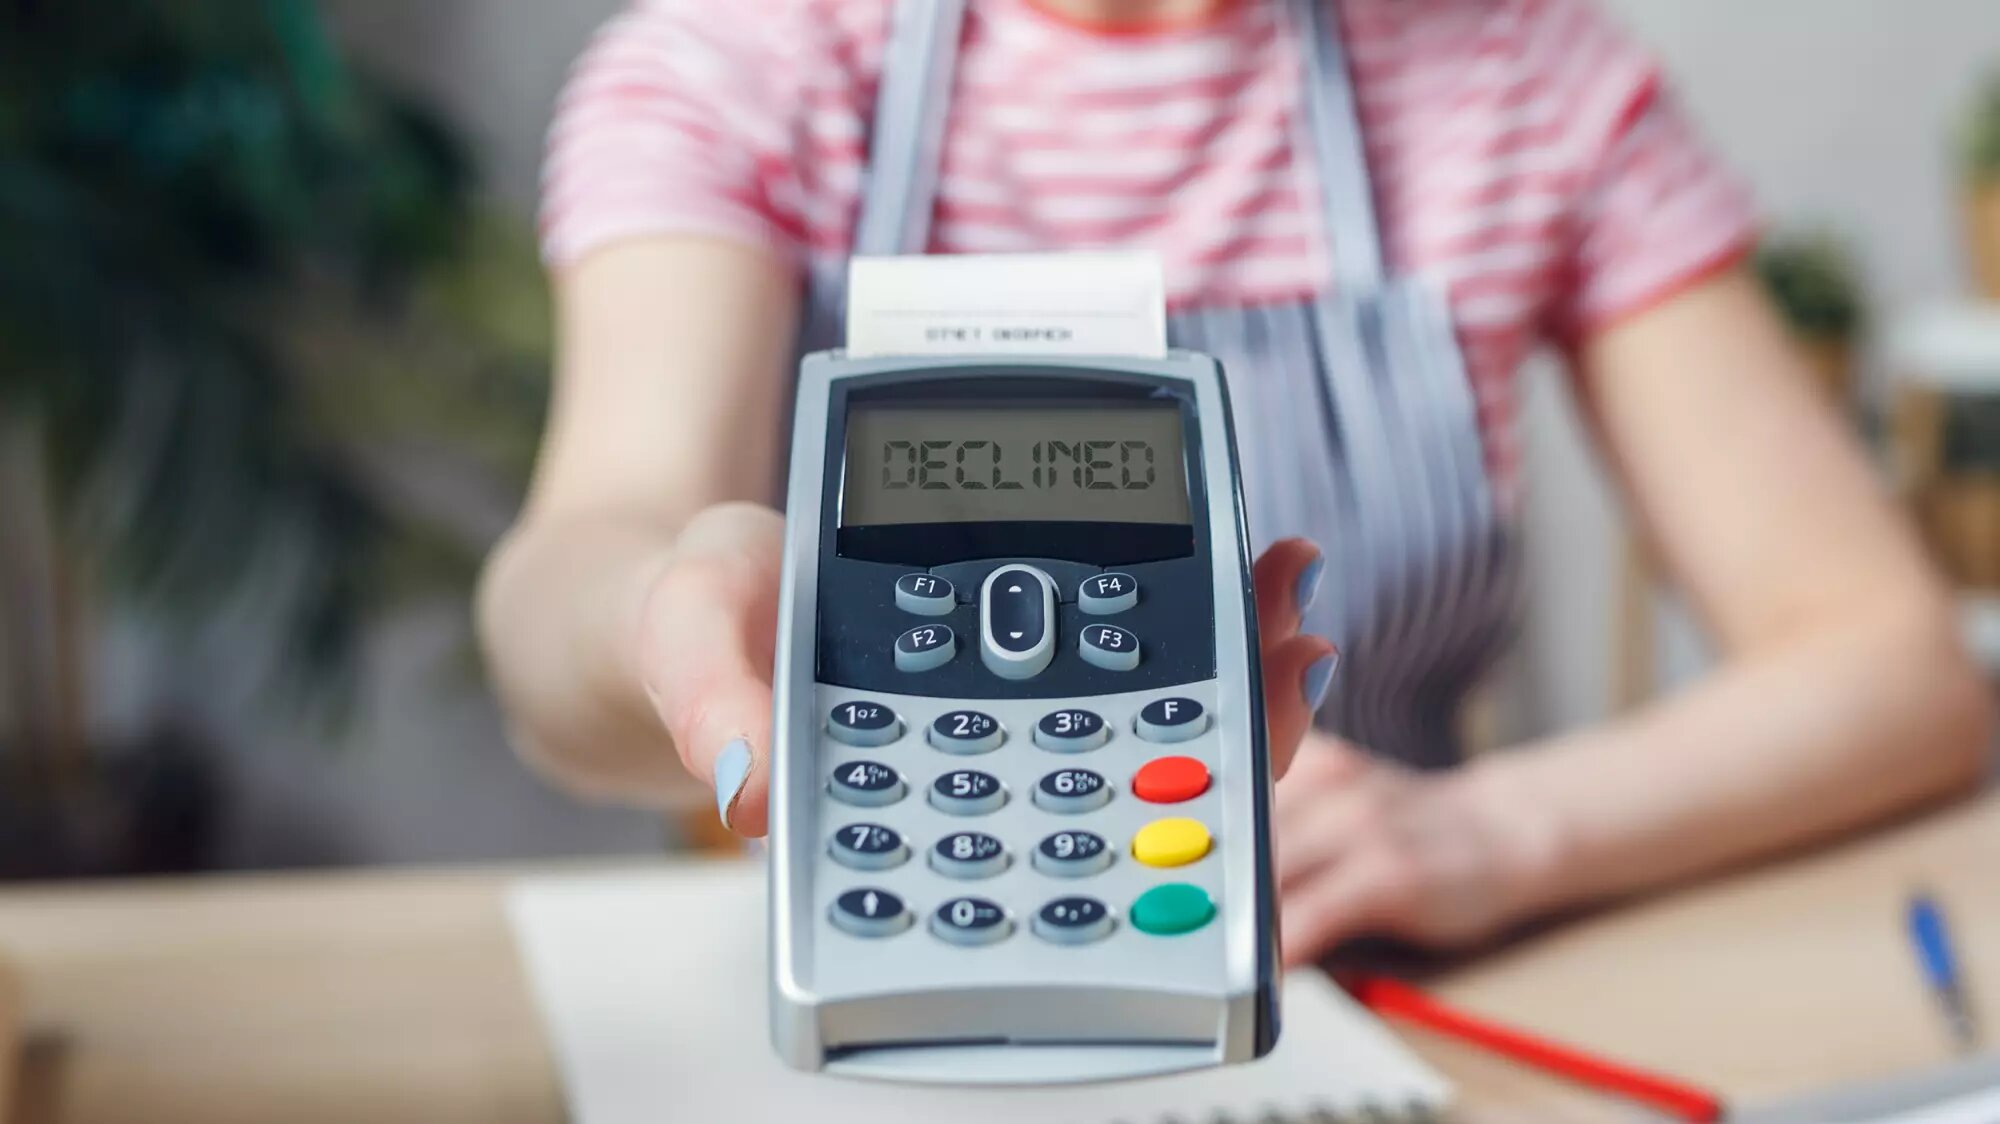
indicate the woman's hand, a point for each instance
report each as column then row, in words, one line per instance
column 710, row 618
column 706, row 639
column 1366, row 847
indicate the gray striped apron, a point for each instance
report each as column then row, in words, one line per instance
column 1354, row 419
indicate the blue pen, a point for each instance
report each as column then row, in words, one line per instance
column 1932, row 937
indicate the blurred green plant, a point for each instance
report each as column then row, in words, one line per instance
column 1982, row 135
column 234, row 270
column 1816, row 283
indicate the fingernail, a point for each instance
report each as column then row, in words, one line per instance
column 732, row 772
column 1318, row 678
column 1307, row 589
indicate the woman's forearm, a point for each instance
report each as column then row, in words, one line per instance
column 1832, row 729
column 667, row 402
column 558, row 610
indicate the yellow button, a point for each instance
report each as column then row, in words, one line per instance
column 1170, row 842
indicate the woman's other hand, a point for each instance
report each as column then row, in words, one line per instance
column 1366, row 847
column 1298, row 666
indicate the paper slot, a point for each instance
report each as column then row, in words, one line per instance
column 1007, row 304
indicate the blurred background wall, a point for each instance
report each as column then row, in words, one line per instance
column 1840, row 112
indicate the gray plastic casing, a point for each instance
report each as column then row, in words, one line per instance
column 913, row 1007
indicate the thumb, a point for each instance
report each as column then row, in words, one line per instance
column 709, row 629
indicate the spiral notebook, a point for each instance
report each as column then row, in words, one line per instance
column 652, row 986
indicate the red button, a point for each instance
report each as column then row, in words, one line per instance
column 1170, row 780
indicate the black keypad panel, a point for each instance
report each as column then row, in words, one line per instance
column 967, row 792
column 1171, row 720
column 1168, row 605
column 971, row 921
column 1107, row 593
column 1073, row 920
column 1071, row 731
column 969, row 854
column 864, row 723
column 925, row 647
column 966, row 731
column 866, row 784
column 925, row 595
column 1070, row 791
column 1109, row 647
column 869, row 846
column 1072, row 854
column 869, row 912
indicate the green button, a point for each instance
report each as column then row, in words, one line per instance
column 1173, row 908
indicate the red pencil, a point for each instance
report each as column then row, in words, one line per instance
column 1393, row 999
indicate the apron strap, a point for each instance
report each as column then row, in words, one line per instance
column 911, row 108
column 1333, row 121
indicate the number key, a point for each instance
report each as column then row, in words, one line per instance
column 869, row 846
column 966, row 731
column 967, row 792
column 1069, row 791
column 866, row 784
column 864, row 723
column 1071, row 731
column 1072, row 854
column 969, row 854
column 971, row 921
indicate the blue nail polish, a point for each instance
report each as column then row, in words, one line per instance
column 1307, row 589
column 732, row 771
column 1318, row 679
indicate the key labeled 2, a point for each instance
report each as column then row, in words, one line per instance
column 966, row 731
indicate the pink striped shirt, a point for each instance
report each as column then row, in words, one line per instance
column 1525, row 154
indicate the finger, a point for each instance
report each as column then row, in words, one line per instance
column 1352, row 899
column 706, row 662
column 1297, row 674
column 1286, row 577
